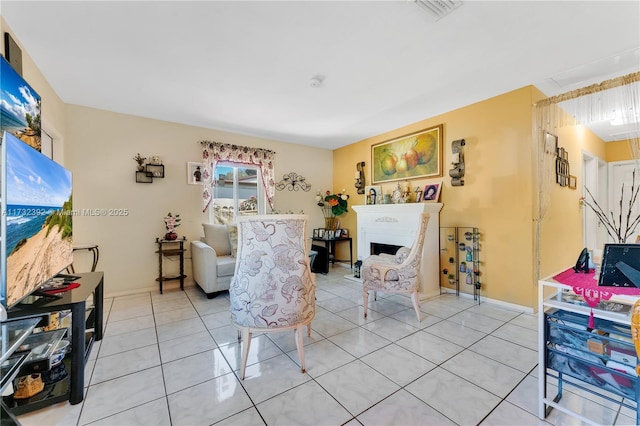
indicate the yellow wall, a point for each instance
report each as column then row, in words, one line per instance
column 618, row 151
column 561, row 236
column 497, row 195
column 499, row 192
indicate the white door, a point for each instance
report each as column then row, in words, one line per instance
column 621, row 173
column 594, row 176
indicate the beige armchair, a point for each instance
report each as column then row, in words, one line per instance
column 213, row 258
column 395, row 274
column 273, row 288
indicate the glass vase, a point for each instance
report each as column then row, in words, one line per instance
column 330, row 222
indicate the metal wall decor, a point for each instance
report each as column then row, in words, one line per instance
column 293, row 182
column 561, row 157
column 457, row 161
column 360, row 182
column 562, row 166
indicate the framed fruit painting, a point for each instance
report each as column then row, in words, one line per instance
column 418, row 155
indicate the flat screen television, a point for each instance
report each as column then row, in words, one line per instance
column 36, row 222
column 19, row 107
column 620, row 265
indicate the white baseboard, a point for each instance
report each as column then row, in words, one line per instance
column 506, row 305
column 153, row 288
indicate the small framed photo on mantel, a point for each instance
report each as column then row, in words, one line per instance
column 431, row 193
column 373, row 194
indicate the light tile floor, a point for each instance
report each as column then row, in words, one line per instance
column 173, row 359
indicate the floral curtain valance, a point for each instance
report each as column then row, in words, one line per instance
column 213, row 152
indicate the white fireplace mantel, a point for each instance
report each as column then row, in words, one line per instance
column 397, row 224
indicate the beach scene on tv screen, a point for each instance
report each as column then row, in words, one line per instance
column 39, row 220
column 19, row 107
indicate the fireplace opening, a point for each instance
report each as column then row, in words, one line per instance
column 377, row 248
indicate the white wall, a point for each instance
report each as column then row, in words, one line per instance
column 99, row 149
column 98, row 146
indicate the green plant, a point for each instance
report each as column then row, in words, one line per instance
column 333, row 204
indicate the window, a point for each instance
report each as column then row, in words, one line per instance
column 237, row 191
column 263, row 159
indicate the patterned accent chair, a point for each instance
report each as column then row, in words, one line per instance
column 399, row 273
column 273, row 288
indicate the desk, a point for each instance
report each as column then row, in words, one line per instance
column 86, row 326
column 330, row 245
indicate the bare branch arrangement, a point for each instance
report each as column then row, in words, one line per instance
column 615, row 227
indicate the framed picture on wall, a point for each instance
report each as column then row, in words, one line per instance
column 572, row 182
column 418, row 155
column 194, row 173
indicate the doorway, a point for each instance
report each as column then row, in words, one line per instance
column 594, row 176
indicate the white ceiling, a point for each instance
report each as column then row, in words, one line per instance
column 246, row 66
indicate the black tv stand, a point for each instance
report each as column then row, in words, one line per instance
column 67, row 279
column 38, row 297
column 86, row 327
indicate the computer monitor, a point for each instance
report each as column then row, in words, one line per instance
column 620, row 265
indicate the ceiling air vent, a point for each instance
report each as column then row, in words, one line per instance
column 438, row 8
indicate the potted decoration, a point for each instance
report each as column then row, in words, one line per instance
column 171, row 223
column 628, row 220
column 140, row 160
column 332, row 205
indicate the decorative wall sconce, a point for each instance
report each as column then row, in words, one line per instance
column 293, row 182
column 360, row 183
column 457, row 160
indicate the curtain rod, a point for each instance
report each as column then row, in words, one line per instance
column 588, row 90
column 206, row 142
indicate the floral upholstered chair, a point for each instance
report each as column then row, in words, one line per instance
column 273, row 288
column 399, row 273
